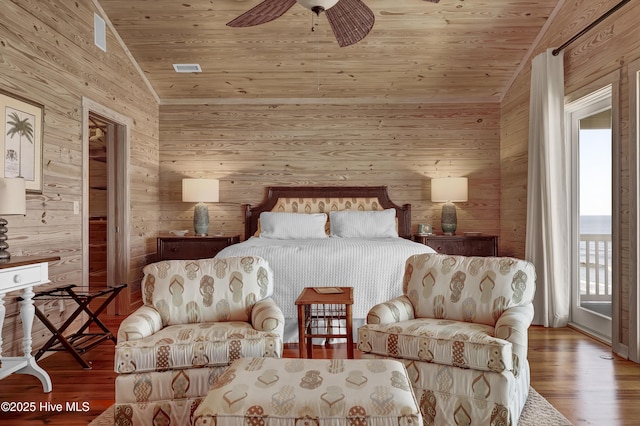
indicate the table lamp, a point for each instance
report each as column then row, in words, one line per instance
column 12, row 202
column 449, row 190
column 200, row 191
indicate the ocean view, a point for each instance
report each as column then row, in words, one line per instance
column 595, row 224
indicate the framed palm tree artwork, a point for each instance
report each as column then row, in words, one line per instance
column 21, row 129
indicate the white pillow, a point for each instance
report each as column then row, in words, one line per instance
column 292, row 226
column 363, row 224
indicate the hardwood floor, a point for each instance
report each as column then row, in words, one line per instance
column 568, row 368
column 582, row 379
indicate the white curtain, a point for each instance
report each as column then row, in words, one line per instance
column 548, row 202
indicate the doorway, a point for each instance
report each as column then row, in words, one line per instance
column 105, row 201
column 100, row 136
column 594, row 245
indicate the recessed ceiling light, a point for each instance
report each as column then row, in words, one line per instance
column 187, row 67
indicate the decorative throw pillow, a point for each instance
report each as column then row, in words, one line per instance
column 364, row 224
column 292, row 226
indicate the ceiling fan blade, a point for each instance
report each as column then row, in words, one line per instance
column 264, row 12
column 351, row 21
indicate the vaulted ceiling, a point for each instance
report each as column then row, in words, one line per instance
column 453, row 51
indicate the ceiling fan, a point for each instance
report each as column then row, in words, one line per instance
column 350, row 20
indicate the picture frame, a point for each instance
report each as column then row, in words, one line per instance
column 21, row 133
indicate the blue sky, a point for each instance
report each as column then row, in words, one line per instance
column 595, row 172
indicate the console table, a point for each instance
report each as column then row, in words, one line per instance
column 23, row 273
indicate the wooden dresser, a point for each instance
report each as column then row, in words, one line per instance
column 192, row 247
column 463, row 245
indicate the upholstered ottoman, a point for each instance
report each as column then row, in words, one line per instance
column 293, row 392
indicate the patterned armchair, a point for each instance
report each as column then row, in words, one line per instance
column 198, row 317
column 461, row 329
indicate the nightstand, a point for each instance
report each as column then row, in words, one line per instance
column 192, row 246
column 463, row 245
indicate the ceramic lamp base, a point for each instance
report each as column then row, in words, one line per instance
column 201, row 219
column 4, row 254
column 449, row 219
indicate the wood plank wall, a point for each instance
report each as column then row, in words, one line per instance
column 249, row 147
column 48, row 56
column 606, row 49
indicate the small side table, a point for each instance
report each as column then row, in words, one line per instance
column 324, row 312
column 80, row 341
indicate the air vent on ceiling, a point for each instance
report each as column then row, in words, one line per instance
column 187, row 67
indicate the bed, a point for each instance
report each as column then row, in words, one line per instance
column 330, row 236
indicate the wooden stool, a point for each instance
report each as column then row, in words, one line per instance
column 324, row 312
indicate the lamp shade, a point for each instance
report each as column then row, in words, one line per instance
column 452, row 189
column 200, row 190
column 12, row 196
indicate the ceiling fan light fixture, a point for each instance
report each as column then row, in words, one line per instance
column 350, row 20
column 316, row 4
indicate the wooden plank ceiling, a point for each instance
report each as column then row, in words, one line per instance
column 453, row 51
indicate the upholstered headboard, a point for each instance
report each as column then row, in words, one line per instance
column 323, row 199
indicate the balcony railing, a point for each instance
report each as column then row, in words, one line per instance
column 595, row 268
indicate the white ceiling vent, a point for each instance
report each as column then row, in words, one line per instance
column 187, row 67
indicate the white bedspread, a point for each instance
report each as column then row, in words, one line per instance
column 373, row 267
